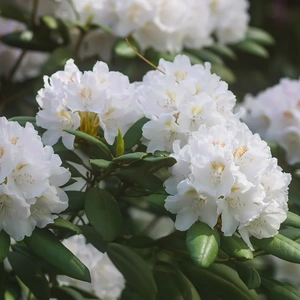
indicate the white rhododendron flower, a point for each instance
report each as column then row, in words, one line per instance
column 274, row 114
column 107, row 282
column 30, row 176
column 87, row 101
column 179, row 100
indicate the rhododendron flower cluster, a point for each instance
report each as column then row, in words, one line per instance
column 86, row 101
column 30, row 176
column 224, row 176
column 274, row 114
column 107, row 281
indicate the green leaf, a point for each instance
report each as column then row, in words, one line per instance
column 158, row 200
column 12, row 11
column 93, row 237
column 65, row 224
column 207, row 55
column 2, row 281
column 220, row 280
column 225, row 73
column 173, row 284
column 30, row 274
column 193, row 58
column 277, row 290
column 76, row 201
column 134, row 134
column 45, row 245
column 292, row 220
column 279, row 246
column 69, row 155
column 203, row 244
column 157, row 162
column 249, row 275
column 129, row 158
column 65, row 292
column 22, row 120
column 291, row 233
column 235, row 247
column 223, row 50
column 28, row 40
column 259, row 35
column 140, row 242
column 135, row 270
column 103, row 164
column 104, row 213
column 252, row 48
column 4, row 245
column 92, row 140
column 122, row 49
column 120, row 144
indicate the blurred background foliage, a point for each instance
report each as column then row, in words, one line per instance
column 246, row 67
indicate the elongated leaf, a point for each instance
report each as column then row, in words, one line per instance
column 22, row 120
column 129, row 158
column 158, row 200
column 220, row 280
column 135, row 270
column 292, row 220
column 225, row 73
column 259, row 36
column 235, row 247
column 92, row 140
column 291, row 233
column 277, row 290
column 193, row 58
column 30, row 274
column 223, row 50
column 4, row 245
column 2, row 281
column 70, row 156
column 103, row 164
column 207, row 55
column 65, row 292
column 65, row 224
column 252, row 48
column 249, row 275
column 203, row 244
column 45, row 245
column 93, row 237
column 279, row 246
column 76, row 201
column 28, row 40
column 103, row 213
column 140, row 242
column 133, row 135
column 12, row 11
column 173, row 284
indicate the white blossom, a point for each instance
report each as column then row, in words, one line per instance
column 107, row 281
column 274, row 114
column 30, row 176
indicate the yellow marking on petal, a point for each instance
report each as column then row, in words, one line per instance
column 197, row 110
column 180, row 75
column 288, row 114
column 221, row 144
column 235, row 188
column 171, row 95
column 21, row 166
column 2, row 151
column 217, row 166
column 239, row 152
column 14, row 140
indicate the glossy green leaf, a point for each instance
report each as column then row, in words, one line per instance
column 2, row 281
column 70, row 156
column 13, row 11
column 252, row 48
column 220, row 280
column 277, row 290
column 235, row 247
column 4, row 245
column 30, row 274
column 104, row 213
column 173, row 284
column 60, row 223
column 28, row 40
column 203, row 244
column 46, row 246
column 93, row 237
column 224, row 72
column 259, row 35
column 22, row 120
column 66, row 292
column 103, row 164
column 134, row 134
column 135, row 270
column 207, row 55
column 129, row 158
column 103, row 149
column 223, row 50
column 279, row 246
column 291, row 233
column 249, row 275
column 120, row 144
column 122, row 49
column 158, row 200
column 76, row 201
column 292, row 220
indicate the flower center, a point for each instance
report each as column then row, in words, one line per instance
column 89, row 123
